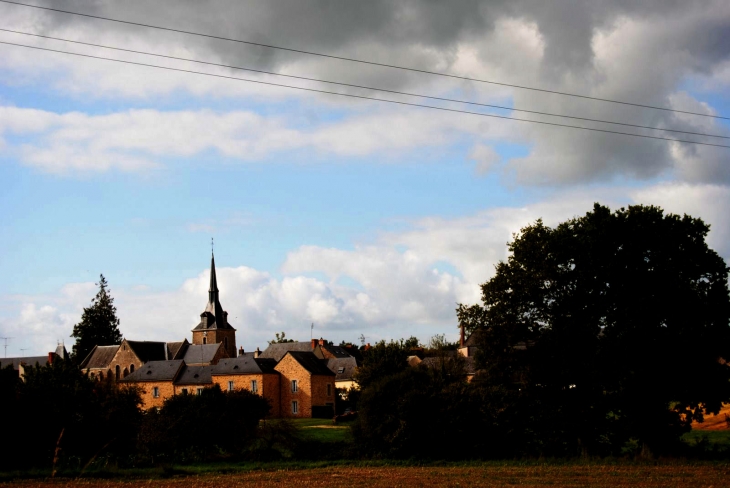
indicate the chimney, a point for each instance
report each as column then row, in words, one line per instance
column 225, row 317
column 257, row 353
column 50, row 357
column 461, row 336
column 321, row 341
column 314, row 343
column 240, row 351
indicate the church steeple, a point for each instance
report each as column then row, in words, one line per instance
column 213, row 290
column 213, row 326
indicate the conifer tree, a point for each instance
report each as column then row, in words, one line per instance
column 99, row 324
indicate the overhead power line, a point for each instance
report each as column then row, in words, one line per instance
column 443, row 99
column 363, row 97
column 362, row 61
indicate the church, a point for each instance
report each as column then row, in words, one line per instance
column 298, row 379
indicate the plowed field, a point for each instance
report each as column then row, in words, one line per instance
column 392, row 477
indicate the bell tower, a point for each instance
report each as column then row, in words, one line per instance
column 214, row 327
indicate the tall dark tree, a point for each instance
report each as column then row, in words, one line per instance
column 383, row 359
column 99, row 324
column 612, row 324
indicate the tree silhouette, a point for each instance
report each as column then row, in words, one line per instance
column 99, row 324
column 614, row 323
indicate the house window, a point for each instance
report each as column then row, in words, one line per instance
column 184, row 391
column 230, row 386
column 294, row 386
column 131, row 368
column 225, row 342
column 329, row 389
column 340, row 370
column 295, row 407
column 118, row 371
column 156, row 392
column 205, row 340
column 254, row 386
column 200, row 391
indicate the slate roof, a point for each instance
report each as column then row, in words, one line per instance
column 100, row 357
column 195, row 375
column 278, row 351
column 149, row 350
column 176, row 350
column 156, row 371
column 346, row 365
column 28, row 361
column 201, row 353
column 312, row 363
column 245, row 364
column 336, row 351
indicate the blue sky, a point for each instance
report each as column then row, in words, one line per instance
column 363, row 217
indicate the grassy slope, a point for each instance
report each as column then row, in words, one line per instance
column 322, row 430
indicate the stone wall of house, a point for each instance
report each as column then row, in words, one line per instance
column 126, row 359
column 320, row 396
column 191, row 389
column 291, row 370
column 239, row 381
column 272, row 393
column 165, row 389
column 267, row 387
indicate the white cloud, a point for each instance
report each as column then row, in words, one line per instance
column 138, row 140
column 393, row 287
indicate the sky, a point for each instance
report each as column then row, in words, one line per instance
column 361, row 217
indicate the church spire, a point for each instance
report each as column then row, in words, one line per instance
column 213, row 290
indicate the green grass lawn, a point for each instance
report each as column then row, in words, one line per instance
column 718, row 437
column 322, row 430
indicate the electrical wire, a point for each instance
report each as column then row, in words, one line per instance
column 362, row 97
column 443, row 99
column 362, row 61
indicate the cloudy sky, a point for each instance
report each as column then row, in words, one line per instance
column 362, row 217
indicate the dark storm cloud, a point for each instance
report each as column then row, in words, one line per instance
column 665, row 42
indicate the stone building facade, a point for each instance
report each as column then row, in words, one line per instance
column 305, row 383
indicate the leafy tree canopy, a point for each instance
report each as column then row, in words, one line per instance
column 280, row 339
column 99, row 324
column 618, row 320
column 383, row 359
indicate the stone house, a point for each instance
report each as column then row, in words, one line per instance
column 118, row 361
column 257, row 375
column 307, row 386
column 156, row 380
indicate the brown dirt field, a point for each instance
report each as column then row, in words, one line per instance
column 394, row 477
column 714, row 422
